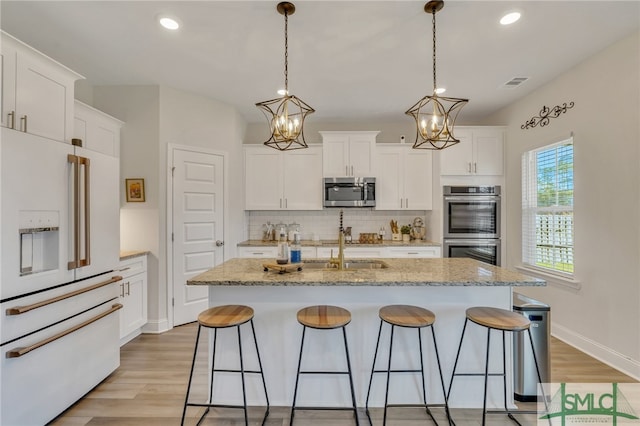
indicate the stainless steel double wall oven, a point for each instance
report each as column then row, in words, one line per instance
column 472, row 222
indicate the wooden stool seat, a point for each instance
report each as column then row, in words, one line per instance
column 407, row 316
column 499, row 319
column 324, row 316
column 225, row 316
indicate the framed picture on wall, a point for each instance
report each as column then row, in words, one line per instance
column 135, row 190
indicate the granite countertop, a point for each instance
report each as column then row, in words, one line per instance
column 129, row 254
column 400, row 272
column 334, row 243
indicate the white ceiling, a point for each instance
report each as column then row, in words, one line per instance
column 350, row 60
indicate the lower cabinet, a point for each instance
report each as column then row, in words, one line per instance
column 324, row 252
column 133, row 297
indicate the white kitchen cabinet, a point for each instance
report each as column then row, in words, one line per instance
column 348, row 154
column 289, row 180
column 480, row 152
column 414, row 252
column 37, row 92
column 133, row 297
column 403, row 178
column 258, row 252
column 98, row 131
column 352, row 252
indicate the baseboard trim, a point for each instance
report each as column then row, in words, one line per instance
column 602, row 353
column 156, row 327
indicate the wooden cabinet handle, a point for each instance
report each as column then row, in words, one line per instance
column 18, row 352
column 17, row 310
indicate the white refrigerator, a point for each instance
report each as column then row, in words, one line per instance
column 59, row 215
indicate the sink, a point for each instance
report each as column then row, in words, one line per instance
column 348, row 265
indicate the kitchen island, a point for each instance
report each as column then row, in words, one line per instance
column 446, row 286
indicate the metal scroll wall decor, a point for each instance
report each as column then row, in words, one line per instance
column 546, row 114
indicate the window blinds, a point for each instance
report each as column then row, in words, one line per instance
column 547, row 207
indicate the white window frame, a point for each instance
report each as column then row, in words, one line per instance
column 530, row 210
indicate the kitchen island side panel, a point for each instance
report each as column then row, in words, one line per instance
column 279, row 334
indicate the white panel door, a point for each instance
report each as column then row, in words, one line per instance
column 418, row 179
column 197, row 225
column 389, row 172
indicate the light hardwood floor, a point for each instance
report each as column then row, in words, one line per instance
column 149, row 388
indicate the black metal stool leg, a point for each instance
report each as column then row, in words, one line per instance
column 386, row 393
column 486, row 378
column 193, row 363
column 455, row 364
column 424, row 386
column 244, row 390
column 535, row 361
column 444, row 392
column 373, row 367
column 213, row 363
column 353, row 393
column 295, row 389
column 264, row 383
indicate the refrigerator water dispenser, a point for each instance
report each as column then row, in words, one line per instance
column 39, row 237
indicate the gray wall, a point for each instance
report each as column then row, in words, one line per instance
column 601, row 314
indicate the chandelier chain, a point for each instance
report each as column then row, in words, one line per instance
column 433, row 24
column 286, row 53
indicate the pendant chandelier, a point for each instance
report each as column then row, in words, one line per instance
column 435, row 115
column 286, row 114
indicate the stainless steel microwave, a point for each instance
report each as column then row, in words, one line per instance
column 350, row 192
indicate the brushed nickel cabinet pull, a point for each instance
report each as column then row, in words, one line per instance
column 122, row 290
column 406, row 204
column 23, row 123
column 17, row 310
column 351, row 170
column 469, row 167
column 475, row 167
column 128, row 288
column 18, row 352
column 11, row 120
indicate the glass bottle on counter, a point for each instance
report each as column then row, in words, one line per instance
column 296, row 249
column 283, row 249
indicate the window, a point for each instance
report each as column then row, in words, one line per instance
column 547, row 208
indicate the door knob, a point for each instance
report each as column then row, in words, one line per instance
column 219, row 243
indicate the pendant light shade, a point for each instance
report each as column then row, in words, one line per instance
column 435, row 115
column 286, row 115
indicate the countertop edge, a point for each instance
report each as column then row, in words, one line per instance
column 130, row 254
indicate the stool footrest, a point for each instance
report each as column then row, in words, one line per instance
column 479, row 374
column 397, row 371
column 416, row 405
column 326, row 408
column 195, row 404
column 324, row 372
column 236, row 371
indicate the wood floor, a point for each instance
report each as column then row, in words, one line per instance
column 149, row 388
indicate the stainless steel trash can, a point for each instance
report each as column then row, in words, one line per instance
column 525, row 378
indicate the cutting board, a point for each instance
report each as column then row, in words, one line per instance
column 281, row 269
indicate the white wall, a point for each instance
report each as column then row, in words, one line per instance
column 602, row 316
column 155, row 117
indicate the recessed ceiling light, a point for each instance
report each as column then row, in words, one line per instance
column 510, row 18
column 440, row 90
column 169, row 23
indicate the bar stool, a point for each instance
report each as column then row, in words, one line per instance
column 217, row 318
column 409, row 317
column 501, row 320
column 324, row 317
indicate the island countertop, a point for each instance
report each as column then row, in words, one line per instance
column 400, row 272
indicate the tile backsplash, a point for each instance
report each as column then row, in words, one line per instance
column 324, row 224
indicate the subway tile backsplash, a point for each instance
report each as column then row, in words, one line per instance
column 324, row 224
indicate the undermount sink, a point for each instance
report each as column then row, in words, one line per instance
column 348, row 265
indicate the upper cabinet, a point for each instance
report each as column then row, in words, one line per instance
column 37, row 92
column 98, row 131
column 404, row 178
column 480, row 152
column 289, row 180
column 348, row 153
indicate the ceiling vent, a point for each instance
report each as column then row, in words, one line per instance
column 515, row 82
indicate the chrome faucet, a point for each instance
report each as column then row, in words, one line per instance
column 339, row 262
